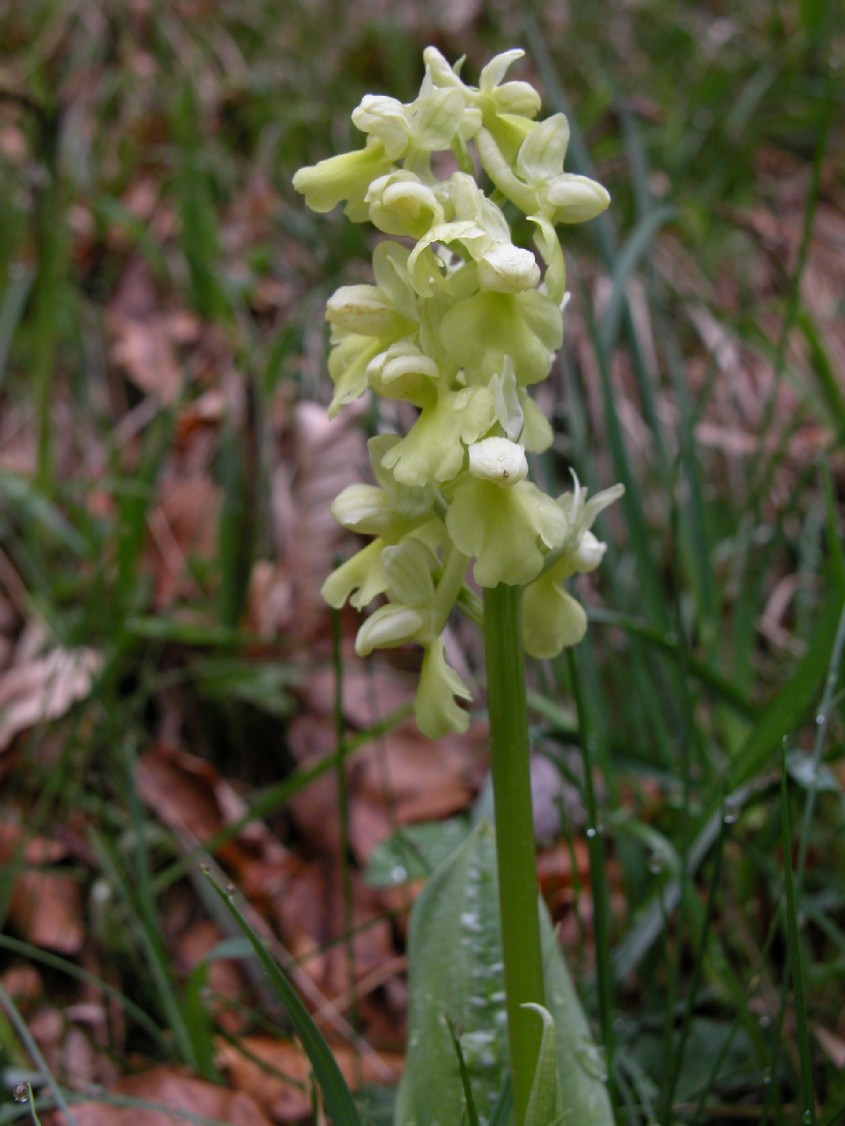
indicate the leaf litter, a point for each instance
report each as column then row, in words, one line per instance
column 159, row 354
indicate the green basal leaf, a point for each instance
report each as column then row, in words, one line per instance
column 457, row 976
column 546, row 1102
column 414, row 851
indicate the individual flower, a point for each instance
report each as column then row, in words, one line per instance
column 505, row 522
column 366, row 320
column 481, row 230
column 516, row 99
column 435, row 447
column 552, row 619
column 412, row 132
column 402, row 371
column 416, row 612
column 481, row 331
column 389, row 511
column 401, row 204
column 535, row 180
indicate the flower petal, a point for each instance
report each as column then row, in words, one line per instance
column 388, row 626
column 343, row 177
column 359, row 579
column 437, row 712
column 407, row 569
column 552, row 619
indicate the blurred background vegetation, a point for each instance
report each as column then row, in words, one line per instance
column 165, row 474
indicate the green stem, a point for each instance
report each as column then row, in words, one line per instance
column 516, row 857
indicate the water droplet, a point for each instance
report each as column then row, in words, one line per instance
column 656, row 862
column 398, row 874
column 592, row 1060
column 821, row 719
column 767, row 1077
column 471, row 922
column 765, row 1021
column 230, row 891
column 591, row 833
column 205, row 868
column 807, row 1116
column 21, row 1093
column 730, row 811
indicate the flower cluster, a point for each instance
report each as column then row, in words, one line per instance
column 459, row 322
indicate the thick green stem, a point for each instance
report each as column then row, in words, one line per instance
column 515, row 850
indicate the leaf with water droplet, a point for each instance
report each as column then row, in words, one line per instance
column 414, row 851
column 456, row 962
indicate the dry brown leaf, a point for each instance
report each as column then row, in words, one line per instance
column 400, row 779
column 46, row 908
column 833, row 1045
column 323, row 456
column 183, row 524
column 175, row 1089
column 277, row 1073
column 44, row 689
column 143, row 343
column 189, row 795
column 225, row 980
column 23, row 983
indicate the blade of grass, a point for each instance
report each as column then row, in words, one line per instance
column 12, row 306
column 625, row 262
column 794, row 959
column 30, row 1044
column 62, row 965
column 794, row 699
column 598, row 878
column 338, row 1098
column 679, row 1047
column 471, row 1110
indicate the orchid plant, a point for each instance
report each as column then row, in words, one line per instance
column 460, row 322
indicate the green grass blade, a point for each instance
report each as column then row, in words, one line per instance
column 796, row 970
column 794, row 699
column 31, row 1045
column 626, row 262
column 503, row 1109
column 471, row 1110
column 63, row 965
column 338, row 1098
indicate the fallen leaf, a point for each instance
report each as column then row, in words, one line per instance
column 175, row 1089
column 183, row 525
column 46, row 908
column 833, row 1045
column 44, row 689
column 277, row 1073
column 189, row 795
